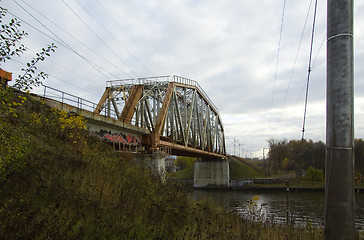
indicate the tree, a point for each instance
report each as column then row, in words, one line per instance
column 10, row 35
column 277, row 153
column 10, row 46
column 296, row 155
column 13, row 143
column 285, row 164
column 27, row 81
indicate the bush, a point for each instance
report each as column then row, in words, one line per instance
column 314, row 174
column 184, row 162
column 14, row 145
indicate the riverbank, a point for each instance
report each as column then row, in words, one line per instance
column 59, row 182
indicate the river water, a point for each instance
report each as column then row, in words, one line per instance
column 305, row 207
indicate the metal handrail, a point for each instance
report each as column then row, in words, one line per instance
column 73, row 100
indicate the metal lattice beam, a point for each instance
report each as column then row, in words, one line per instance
column 176, row 110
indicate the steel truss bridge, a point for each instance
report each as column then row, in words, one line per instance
column 178, row 114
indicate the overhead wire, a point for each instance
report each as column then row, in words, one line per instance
column 309, row 70
column 313, row 64
column 62, row 80
column 319, row 50
column 127, row 34
column 69, row 70
column 72, row 36
column 94, row 65
column 74, row 85
column 36, row 19
column 101, row 40
column 278, row 53
column 74, row 72
column 102, row 25
column 297, row 53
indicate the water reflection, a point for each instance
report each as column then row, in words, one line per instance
column 305, row 207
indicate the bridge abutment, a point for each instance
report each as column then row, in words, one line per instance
column 211, row 174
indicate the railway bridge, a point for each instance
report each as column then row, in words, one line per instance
column 156, row 116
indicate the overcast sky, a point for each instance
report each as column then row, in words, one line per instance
column 230, row 47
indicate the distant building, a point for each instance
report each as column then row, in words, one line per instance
column 5, row 77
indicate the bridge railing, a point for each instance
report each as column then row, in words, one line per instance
column 161, row 79
column 66, row 98
column 136, row 81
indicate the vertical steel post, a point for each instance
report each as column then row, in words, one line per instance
column 339, row 193
column 287, row 203
column 45, row 90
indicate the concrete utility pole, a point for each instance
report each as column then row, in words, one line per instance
column 339, row 193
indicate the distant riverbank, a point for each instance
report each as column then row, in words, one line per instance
column 261, row 183
column 252, row 184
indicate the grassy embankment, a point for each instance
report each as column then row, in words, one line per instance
column 241, row 169
column 57, row 182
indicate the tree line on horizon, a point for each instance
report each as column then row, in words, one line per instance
column 298, row 155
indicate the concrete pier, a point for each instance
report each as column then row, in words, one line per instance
column 211, row 174
column 157, row 163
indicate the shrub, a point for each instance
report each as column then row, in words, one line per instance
column 184, row 162
column 314, row 174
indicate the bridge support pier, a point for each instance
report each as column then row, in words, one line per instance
column 157, row 163
column 211, row 174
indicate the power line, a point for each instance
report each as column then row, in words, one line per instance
column 64, row 43
column 119, row 43
column 53, row 62
column 322, row 43
column 36, row 19
column 70, row 70
column 313, row 64
column 70, row 35
column 127, row 34
column 74, row 85
column 309, row 70
column 297, row 53
column 94, row 65
column 278, row 53
column 101, row 40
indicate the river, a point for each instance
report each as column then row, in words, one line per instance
column 305, row 207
